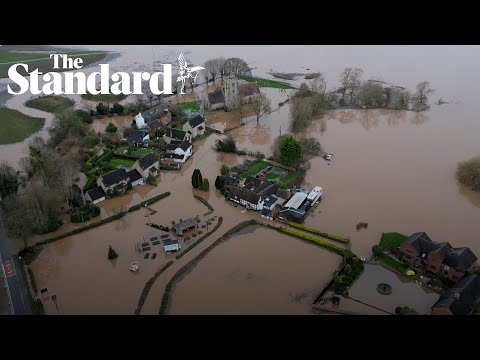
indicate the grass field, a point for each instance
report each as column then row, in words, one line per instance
column 50, row 103
column 116, row 162
column 392, row 240
column 290, row 179
column 141, row 152
column 192, row 105
column 267, row 83
column 254, row 169
column 42, row 61
column 17, row 126
column 104, row 97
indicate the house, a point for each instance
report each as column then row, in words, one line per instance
column 459, row 299
column 439, row 259
column 185, row 225
column 296, row 207
column 267, row 214
column 135, row 177
column 248, row 91
column 116, row 180
column 95, row 195
column 195, row 126
column 140, row 121
column 148, row 165
column 245, row 197
column 230, row 181
column 138, row 137
column 180, row 151
column 215, row 100
column 175, row 134
column 171, row 245
column 156, row 119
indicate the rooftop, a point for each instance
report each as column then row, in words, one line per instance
column 197, row 120
column 134, row 175
column 296, row 200
column 114, row 177
column 96, row 193
column 147, row 161
column 216, row 97
column 175, row 133
column 248, row 89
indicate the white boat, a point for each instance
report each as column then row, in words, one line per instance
column 315, row 194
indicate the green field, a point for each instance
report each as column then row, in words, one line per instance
column 116, row 162
column 108, row 98
column 141, row 152
column 391, row 262
column 192, row 105
column 254, row 169
column 42, row 61
column 392, row 240
column 290, row 179
column 50, row 103
column 267, row 83
column 17, row 126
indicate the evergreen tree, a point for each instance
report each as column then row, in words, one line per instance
column 112, row 254
column 206, row 185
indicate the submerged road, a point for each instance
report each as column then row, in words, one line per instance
column 13, row 281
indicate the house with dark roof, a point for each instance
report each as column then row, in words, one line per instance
column 175, row 134
column 148, row 165
column 178, row 152
column 171, row 245
column 229, row 182
column 116, row 180
column 245, row 197
column 439, row 259
column 460, row 299
column 248, row 91
column 185, row 225
column 135, row 177
column 195, row 126
column 138, row 137
column 215, row 100
column 95, row 195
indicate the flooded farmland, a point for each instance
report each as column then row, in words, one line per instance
column 392, row 169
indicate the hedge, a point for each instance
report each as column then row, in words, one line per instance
column 107, row 155
column 204, row 202
column 318, row 232
column 219, row 223
column 327, row 245
column 91, row 182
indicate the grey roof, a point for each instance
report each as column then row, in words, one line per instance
column 172, row 156
column 461, row 298
column 154, row 125
column 136, row 135
column 154, row 113
column 197, row 120
column 185, row 225
column 175, row 142
column 230, row 180
column 267, row 188
column 216, row 97
column 252, row 182
column 460, row 259
column 147, row 161
column 175, row 133
column 171, row 147
column 169, row 242
column 96, row 193
column 421, row 242
column 443, row 249
column 185, row 145
column 134, row 175
column 292, row 214
column 243, row 194
column 114, row 177
column 248, row 89
column 269, row 201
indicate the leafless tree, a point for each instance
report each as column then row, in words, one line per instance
column 261, row 105
column 87, row 105
column 344, row 83
column 354, row 83
column 220, row 65
column 319, row 84
column 237, row 67
column 238, row 107
column 420, row 98
column 210, row 69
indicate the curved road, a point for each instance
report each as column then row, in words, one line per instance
column 13, row 281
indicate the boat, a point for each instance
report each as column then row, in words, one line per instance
column 315, row 194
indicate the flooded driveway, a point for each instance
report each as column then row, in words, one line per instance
column 257, row 271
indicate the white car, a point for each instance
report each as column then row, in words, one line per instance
column 328, row 157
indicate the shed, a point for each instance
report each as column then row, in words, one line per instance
column 171, row 245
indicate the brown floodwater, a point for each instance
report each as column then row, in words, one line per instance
column 270, row 273
column 394, row 170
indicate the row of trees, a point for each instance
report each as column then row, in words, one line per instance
column 291, row 152
column 225, row 67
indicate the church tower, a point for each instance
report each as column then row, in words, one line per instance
column 230, row 90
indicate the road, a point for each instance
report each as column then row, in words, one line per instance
column 13, row 280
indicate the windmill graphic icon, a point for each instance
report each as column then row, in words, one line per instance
column 185, row 72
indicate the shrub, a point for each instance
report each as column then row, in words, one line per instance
column 111, row 128
column 112, row 254
column 228, row 145
column 151, row 180
column 206, row 185
column 204, row 202
column 377, row 250
column 224, row 170
column 85, row 116
column 318, row 232
column 322, row 243
column 91, row 182
column 348, row 269
column 220, row 182
column 117, row 109
column 468, row 173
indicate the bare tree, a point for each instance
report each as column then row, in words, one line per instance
column 238, row 106
column 420, row 99
column 344, row 83
column 261, row 105
column 87, row 105
column 319, row 84
column 220, row 65
column 354, row 83
column 210, row 68
column 237, row 67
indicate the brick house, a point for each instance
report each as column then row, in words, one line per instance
column 459, row 299
column 437, row 258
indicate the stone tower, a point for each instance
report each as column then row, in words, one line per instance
column 230, row 90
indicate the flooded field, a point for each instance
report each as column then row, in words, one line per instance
column 270, row 273
column 394, row 170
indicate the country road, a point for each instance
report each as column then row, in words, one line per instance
column 12, row 279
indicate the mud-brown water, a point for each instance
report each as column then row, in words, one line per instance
column 394, row 170
column 269, row 274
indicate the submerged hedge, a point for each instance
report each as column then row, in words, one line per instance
column 204, row 202
column 320, row 233
column 219, row 223
column 325, row 244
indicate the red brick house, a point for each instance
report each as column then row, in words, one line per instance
column 437, row 258
column 459, row 299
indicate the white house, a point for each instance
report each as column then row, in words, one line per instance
column 171, row 245
column 178, row 152
column 95, row 195
column 195, row 126
column 245, row 197
column 140, row 121
column 148, row 165
column 135, row 178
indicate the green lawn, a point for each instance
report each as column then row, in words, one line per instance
column 116, row 162
column 109, row 98
column 17, row 126
column 141, row 152
column 289, row 179
column 179, row 127
column 267, row 83
column 254, row 169
column 389, row 261
column 51, row 103
column 41, row 61
column 392, row 240
column 192, row 105
column 271, row 176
